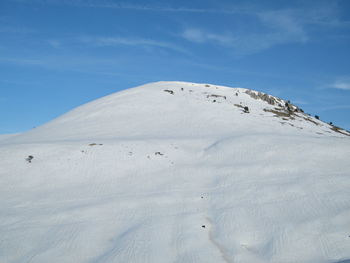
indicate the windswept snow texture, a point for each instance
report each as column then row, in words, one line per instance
column 177, row 172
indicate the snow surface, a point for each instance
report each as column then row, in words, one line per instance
column 147, row 175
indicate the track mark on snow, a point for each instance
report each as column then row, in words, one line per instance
column 221, row 249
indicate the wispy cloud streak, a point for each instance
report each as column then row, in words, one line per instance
column 322, row 14
column 249, row 43
column 274, row 27
column 138, row 7
column 116, row 41
column 341, row 84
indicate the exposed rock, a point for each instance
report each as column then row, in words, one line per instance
column 263, row 96
column 169, row 91
column 281, row 113
column 29, row 158
column 216, row 96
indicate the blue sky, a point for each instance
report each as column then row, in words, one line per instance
column 58, row 54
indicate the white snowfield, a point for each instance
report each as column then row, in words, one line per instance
column 177, row 172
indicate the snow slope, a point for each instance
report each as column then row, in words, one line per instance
column 177, row 172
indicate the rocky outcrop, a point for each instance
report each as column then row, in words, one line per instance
column 263, row 96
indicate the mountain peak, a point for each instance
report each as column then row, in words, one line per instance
column 181, row 109
column 177, row 172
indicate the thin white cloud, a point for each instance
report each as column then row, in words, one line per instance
column 342, row 84
column 248, row 43
column 320, row 12
column 325, row 13
column 200, row 36
column 195, row 35
column 159, row 7
column 285, row 24
column 54, row 43
column 274, row 28
column 116, row 41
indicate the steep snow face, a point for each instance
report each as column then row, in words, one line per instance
column 178, row 109
column 177, row 172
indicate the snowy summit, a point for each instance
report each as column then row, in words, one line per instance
column 177, row 172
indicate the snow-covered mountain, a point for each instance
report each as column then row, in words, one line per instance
column 177, row 172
